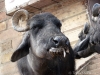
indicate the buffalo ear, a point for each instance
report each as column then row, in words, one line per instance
column 19, row 54
column 22, row 50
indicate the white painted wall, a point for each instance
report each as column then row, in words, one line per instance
column 11, row 4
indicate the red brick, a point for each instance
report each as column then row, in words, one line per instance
column 16, row 42
column 6, row 57
column 32, row 1
column 8, row 68
column 17, row 73
column 2, row 26
column 9, row 23
column 30, row 9
column 2, row 16
column 1, row 0
column 51, row 8
column 6, row 45
column 40, row 4
column 0, row 49
column 8, row 17
column 2, row 6
column 8, row 34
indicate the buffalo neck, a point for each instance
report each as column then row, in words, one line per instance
column 55, row 66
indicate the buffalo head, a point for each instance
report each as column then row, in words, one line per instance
column 89, row 40
column 96, row 24
column 43, row 43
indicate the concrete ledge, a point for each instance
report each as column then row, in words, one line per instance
column 83, row 62
column 29, row 5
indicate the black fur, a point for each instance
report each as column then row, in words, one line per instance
column 33, row 54
column 89, row 37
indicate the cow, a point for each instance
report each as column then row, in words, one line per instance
column 44, row 49
column 89, row 37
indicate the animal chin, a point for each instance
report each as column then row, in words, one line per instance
column 58, row 52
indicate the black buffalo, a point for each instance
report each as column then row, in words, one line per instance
column 89, row 37
column 44, row 49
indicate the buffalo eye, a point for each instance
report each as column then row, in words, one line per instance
column 36, row 28
column 57, row 23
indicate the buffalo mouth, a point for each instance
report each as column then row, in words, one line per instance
column 58, row 51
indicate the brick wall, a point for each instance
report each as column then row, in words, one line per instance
column 9, row 38
column 71, row 13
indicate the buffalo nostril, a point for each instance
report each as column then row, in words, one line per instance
column 60, row 41
column 92, row 42
column 56, row 42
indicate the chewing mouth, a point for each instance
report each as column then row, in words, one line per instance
column 58, row 51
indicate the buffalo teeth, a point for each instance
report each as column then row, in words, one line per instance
column 52, row 50
column 55, row 51
column 64, row 53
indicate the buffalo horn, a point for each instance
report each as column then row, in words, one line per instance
column 21, row 15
